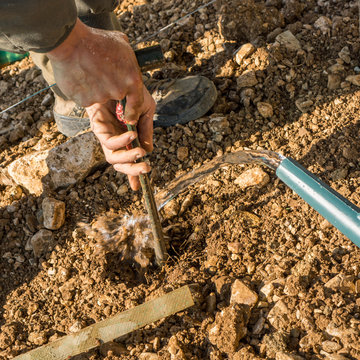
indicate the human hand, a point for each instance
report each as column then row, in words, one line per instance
column 95, row 66
column 114, row 137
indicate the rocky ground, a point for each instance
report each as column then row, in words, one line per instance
column 274, row 279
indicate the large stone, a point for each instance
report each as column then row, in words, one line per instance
column 288, row 40
column 29, row 171
column 73, row 160
column 241, row 294
column 61, row 166
column 252, row 177
column 229, row 327
column 53, row 213
column 246, row 79
column 40, row 242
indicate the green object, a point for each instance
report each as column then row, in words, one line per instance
column 344, row 215
column 7, row 58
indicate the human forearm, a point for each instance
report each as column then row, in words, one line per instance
column 36, row 25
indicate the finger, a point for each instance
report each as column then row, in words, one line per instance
column 145, row 125
column 134, row 182
column 134, row 101
column 117, row 141
column 108, row 129
column 134, row 169
column 146, row 132
column 125, row 156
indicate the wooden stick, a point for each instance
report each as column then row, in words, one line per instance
column 114, row 327
column 150, row 205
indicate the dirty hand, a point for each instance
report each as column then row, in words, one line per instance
column 95, row 66
column 114, row 137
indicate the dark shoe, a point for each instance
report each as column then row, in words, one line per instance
column 182, row 100
column 177, row 102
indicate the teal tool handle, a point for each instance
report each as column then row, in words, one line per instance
column 7, row 58
column 340, row 212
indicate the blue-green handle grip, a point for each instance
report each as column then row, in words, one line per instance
column 340, row 212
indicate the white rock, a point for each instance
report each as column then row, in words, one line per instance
column 40, row 242
column 243, row 52
column 53, row 213
column 252, row 177
column 29, row 171
column 61, row 166
column 323, row 23
column 241, row 294
column 288, row 40
column 265, row 109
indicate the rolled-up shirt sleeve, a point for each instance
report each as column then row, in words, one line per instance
column 35, row 25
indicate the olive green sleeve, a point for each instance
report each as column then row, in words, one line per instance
column 36, row 25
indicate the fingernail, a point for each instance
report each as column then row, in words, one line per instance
column 133, row 137
column 138, row 156
column 143, row 172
